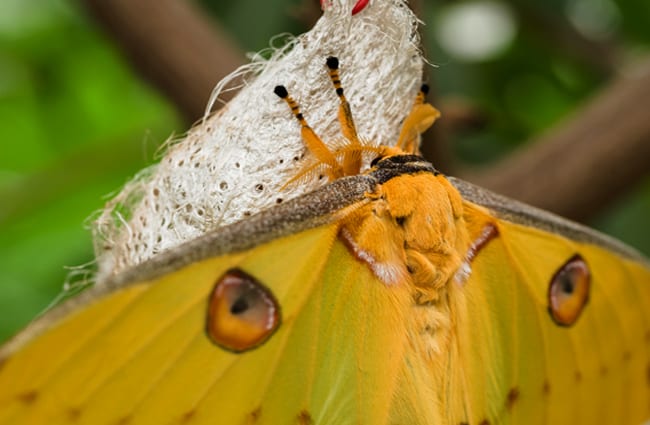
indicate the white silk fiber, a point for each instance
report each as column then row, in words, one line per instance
column 235, row 162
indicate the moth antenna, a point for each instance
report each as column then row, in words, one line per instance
column 421, row 117
column 351, row 162
column 314, row 143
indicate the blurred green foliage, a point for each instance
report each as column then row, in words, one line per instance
column 77, row 122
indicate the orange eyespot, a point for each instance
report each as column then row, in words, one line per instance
column 242, row 313
column 568, row 292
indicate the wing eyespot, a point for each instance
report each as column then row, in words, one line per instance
column 568, row 291
column 242, row 312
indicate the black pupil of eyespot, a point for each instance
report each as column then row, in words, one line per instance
column 567, row 283
column 239, row 306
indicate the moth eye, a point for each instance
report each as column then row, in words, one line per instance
column 242, row 313
column 568, row 292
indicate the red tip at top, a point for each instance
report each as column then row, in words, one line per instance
column 358, row 7
column 361, row 4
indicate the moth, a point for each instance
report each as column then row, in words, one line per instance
column 392, row 295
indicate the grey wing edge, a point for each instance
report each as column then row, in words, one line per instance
column 524, row 214
column 305, row 212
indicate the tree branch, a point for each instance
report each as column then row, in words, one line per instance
column 554, row 30
column 173, row 45
column 586, row 161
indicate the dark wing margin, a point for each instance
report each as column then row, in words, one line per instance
column 302, row 213
column 520, row 213
column 305, row 212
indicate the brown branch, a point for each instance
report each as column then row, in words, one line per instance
column 307, row 12
column 587, row 161
column 173, row 45
column 457, row 116
column 554, row 30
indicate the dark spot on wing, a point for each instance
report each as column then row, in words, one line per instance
column 400, row 221
column 578, row 376
column 484, row 422
column 124, row 420
column 255, row 415
column 513, row 396
column 188, row 416
column 28, row 397
column 304, row 418
column 604, row 370
column 73, row 413
column 546, row 388
column 627, row 355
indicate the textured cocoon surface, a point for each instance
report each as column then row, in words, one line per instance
column 235, row 162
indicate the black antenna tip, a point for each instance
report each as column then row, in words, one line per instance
column 333, row 62
column 281, row 91
column 425, row 89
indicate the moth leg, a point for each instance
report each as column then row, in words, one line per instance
column 314, row 143
column 347, row 160
column 421, row 117
column 352, row 155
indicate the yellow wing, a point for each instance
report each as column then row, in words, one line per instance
column 382, row 298
column 516, row 365
column 529, row 368
column 368, row 332
column 137, row 351
column 141, row 355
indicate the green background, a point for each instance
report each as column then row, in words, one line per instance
column 76, row 122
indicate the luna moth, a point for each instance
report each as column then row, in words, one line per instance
column 394, row 295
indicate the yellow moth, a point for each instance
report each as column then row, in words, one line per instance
column 391, row 296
